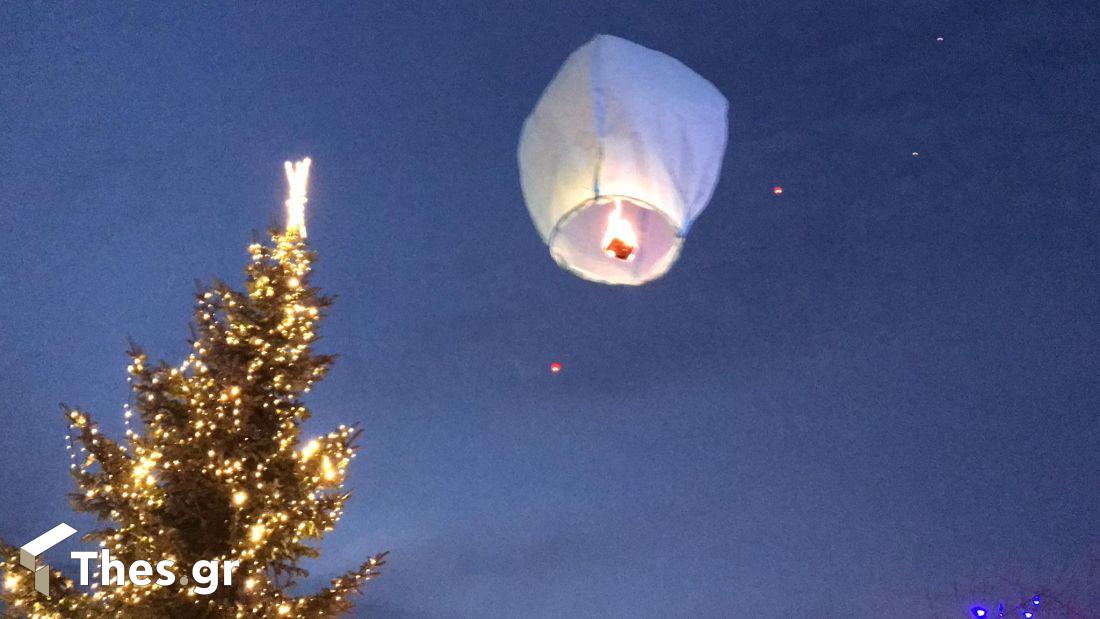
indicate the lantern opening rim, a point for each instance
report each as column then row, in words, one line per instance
column 671, row 255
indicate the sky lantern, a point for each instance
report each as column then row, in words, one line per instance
column 618, row 158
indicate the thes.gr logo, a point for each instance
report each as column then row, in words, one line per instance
column 28, row 555
column 204, row 579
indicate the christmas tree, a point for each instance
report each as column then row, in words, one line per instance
column 219, row 470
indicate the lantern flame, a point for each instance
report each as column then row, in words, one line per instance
column 619, row 239
column 297, row 175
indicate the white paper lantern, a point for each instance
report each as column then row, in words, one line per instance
column 618, row 158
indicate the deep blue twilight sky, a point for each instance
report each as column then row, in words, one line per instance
column 872, row 396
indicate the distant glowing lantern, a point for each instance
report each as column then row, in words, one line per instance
column 619, row 157
column 979, row 612
column 555, row 368
column 777, row 190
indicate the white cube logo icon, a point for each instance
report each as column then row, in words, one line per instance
column 29, row 552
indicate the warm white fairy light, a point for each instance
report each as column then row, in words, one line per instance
column 310, row 449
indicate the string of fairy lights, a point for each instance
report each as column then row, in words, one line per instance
column 228, row 415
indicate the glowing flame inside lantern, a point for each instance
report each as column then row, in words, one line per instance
column 619, row 240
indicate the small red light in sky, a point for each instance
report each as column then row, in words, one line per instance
column 777, row 190
column 555, row 368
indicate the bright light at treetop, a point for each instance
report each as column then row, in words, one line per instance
column 297, row 176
